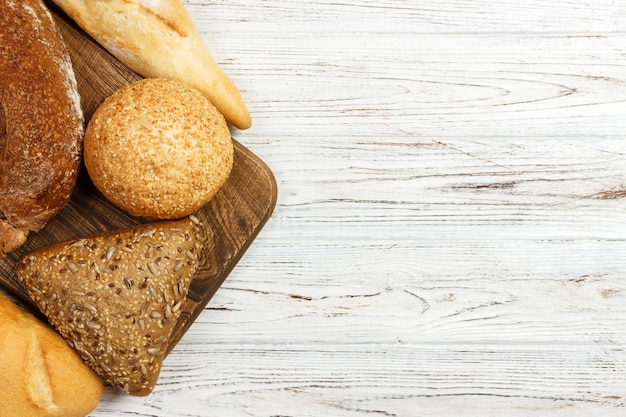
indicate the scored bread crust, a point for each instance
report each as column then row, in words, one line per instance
column 116, row 297
column 40, row 375
column 157, row 38
column 41, row 122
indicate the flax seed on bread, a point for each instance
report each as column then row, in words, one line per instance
column 158, row 149
column 116, row 297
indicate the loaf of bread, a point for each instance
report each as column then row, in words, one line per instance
column 157, row 38
column 158, row 149
column 41, row 122
column 116, row 297
column 40, row 375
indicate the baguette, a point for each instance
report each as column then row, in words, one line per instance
column 40, row 375
column 158, row 39
column 41, row 121
column 116, row 297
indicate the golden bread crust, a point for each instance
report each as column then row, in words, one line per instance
column 41, row 375
column 158, row 149
column 157, row 38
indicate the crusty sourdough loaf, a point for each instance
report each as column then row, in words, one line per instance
column 157, row 38
column 41, row 122
column 40, row 375
column 158, row 149
column 116, row 297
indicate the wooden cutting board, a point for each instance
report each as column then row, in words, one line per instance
column 233, row 217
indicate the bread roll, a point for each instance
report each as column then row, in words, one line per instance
column 116, row 297
column 158, row 149
column 157, row 38
column 41, row 122
column 40, row 375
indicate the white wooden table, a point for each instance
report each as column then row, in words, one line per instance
column 450, row 233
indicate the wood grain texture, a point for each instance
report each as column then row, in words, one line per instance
column 399, row 16
column 232, row 218
column 449, row 237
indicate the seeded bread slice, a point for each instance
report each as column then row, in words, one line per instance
column 116, row 297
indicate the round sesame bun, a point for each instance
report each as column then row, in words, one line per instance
column 158, row 149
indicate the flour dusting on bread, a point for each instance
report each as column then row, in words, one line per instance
column 43, row 122
column 158, row 39
column 167, row 11
column 36, row 376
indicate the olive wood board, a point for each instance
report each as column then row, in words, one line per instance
column 233, row 218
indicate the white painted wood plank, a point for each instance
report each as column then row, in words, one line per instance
column 485, row 289
column 466, row 261
column 449, row 238
column 392, row 380
column 424, row 86
column 415, row 16
column 477, row 190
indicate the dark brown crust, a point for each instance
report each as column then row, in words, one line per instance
column 41, row 125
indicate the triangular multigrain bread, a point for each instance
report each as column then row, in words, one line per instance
column 116, row 297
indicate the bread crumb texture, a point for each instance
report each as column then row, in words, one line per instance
column 158, row 149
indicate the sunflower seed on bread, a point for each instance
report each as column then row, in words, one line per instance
column 116, row 297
